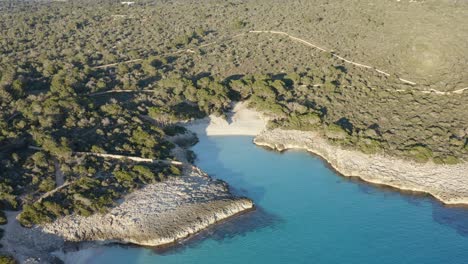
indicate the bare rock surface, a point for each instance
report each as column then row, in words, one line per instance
column 448, row 183
column 158, row 214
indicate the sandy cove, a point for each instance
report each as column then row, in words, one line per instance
column 447, row 183
column 241, row 121
column 163, row 213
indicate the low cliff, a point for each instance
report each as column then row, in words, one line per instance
column 448, row 183
column 158, row 214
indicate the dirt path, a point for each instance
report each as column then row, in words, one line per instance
column 115, row 156
column 60, row 179
column 120, row 91
column 138, row 159
column 117, row 63
column 459, row 91
column 325, row 50
column 294, row 38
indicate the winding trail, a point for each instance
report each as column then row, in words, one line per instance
column 60, row 180
column 120, row 91
column 303, row 41
column 120, row 157
column 294, row 38
column 117, row 63
column 332, row 53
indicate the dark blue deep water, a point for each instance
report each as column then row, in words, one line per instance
column 307, row 214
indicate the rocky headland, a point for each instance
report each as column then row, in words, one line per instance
column 159, row 214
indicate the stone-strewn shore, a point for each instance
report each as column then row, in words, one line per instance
column 448, row 183
column 159, row 214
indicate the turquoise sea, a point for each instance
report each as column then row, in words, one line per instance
column 306, row 213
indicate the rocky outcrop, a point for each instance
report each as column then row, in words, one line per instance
column 158, row 214
column 448, row 183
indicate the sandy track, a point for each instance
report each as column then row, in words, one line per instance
column 294, row 38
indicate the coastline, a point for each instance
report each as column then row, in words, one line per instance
column 446, row 183
column 164, row 213
column 159, row 214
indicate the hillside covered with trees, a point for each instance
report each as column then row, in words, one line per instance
column 102, row 77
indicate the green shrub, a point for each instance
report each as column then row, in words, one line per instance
column 33, row 214
column 174, row 130
column 174, row 170
column 451, row 160
column 302, row 122
column 145, row 173
column 47, row 184
column 4, row 259
column 419, row 153
column 369, row 145
column 335, row 132
column 239, row 24
column 125, row 178
column 3, row 218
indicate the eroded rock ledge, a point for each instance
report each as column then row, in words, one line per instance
column 448, row 183
column 158, row 214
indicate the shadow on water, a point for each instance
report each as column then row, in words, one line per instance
column 241, row 225
column 237, row 226
column 452, row 216
column 455, row 217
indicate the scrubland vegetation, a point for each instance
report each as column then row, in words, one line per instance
column 53, row 96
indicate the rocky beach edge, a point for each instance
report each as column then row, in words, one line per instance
column 447, row 183
column 159, row 214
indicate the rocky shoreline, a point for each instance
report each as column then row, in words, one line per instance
column 163, row 213
column 447, row 183
column 159, row 214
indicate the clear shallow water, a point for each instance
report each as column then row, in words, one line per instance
column 307, row 214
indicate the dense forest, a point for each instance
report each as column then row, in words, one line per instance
column 101, row 77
